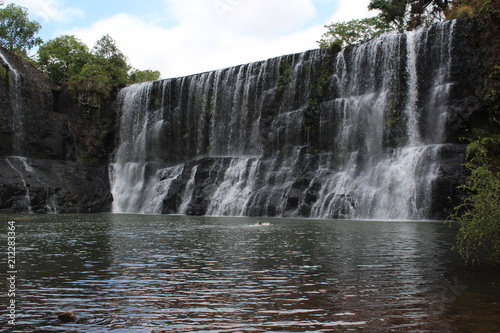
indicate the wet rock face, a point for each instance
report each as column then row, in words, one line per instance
column 44, row 131
column 28, row 124
column 40, row 119
column 48, row 186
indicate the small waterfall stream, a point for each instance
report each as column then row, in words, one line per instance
column 23, row 161
column 20, row 164
column 17, row 122
column 359, row 134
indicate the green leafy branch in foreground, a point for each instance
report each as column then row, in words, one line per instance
column 479, row 213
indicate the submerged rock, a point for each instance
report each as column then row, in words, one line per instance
column 68, row 317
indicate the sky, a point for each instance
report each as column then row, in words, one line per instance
column 183, row 37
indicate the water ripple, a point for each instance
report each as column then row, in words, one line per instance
column 218, row 275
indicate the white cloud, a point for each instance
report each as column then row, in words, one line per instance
column 261, row 18
column 205, row 39
column 51, row 10
column 212, row 34
column 352, row 9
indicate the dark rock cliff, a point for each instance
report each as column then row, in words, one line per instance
column 54, row 145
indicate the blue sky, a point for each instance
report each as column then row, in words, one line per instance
column 182, row 37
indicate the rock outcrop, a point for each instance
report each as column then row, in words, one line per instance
column 51, row 186
column 54, row 147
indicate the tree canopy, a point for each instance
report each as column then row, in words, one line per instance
column 66, row 58
column 353, row 32
column 137, row 75
column 63, row 57
column 110, row 60
column 17, row 32
column 400, row 15
column 411, row 14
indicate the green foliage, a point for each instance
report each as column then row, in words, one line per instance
column 492, row 96
column 94, row 78
column 68, row 59
column 319, row 86
column 6, row 76
column 479, row 213
column 335, row 46
column 411, row 14
column 111, row 60
column 63, row 58
column 137, row 76
column 483, row 9
column 460, row 12
column 285, row 75
column 88, row 159
column 352, row 32
column 486, row 7
column 17, row 32
column 392, row 11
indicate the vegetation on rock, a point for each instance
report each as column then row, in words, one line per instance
column 479, row 213
column 68, row 59
column 403, row 15
column 342, row 34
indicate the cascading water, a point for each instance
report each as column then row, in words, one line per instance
column 17, row 123
column 23, row 161
column 358, row 134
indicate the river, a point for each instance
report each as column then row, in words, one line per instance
column 159, row 273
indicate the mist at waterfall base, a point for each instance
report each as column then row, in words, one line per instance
column 358, row 134
column 164, row 273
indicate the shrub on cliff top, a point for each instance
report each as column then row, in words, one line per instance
column 68, row 59
column 63, row 58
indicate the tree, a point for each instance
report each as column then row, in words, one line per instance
column 68, row 59
column 137, row 76
column 93, row 78
column 111, row 59
column 352, row 32
column 17, row 32
column 63, row 58
column 411, row 14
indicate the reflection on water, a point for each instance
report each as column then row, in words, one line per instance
column 149, row 273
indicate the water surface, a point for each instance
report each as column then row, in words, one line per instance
column 153, row 273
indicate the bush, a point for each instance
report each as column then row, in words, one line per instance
column 479, row 213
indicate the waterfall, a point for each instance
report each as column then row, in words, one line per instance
column 234, row 192
column 25, row 165
column 412, row 98
column 357, row 134
column 17, row 122
column 188, row 192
